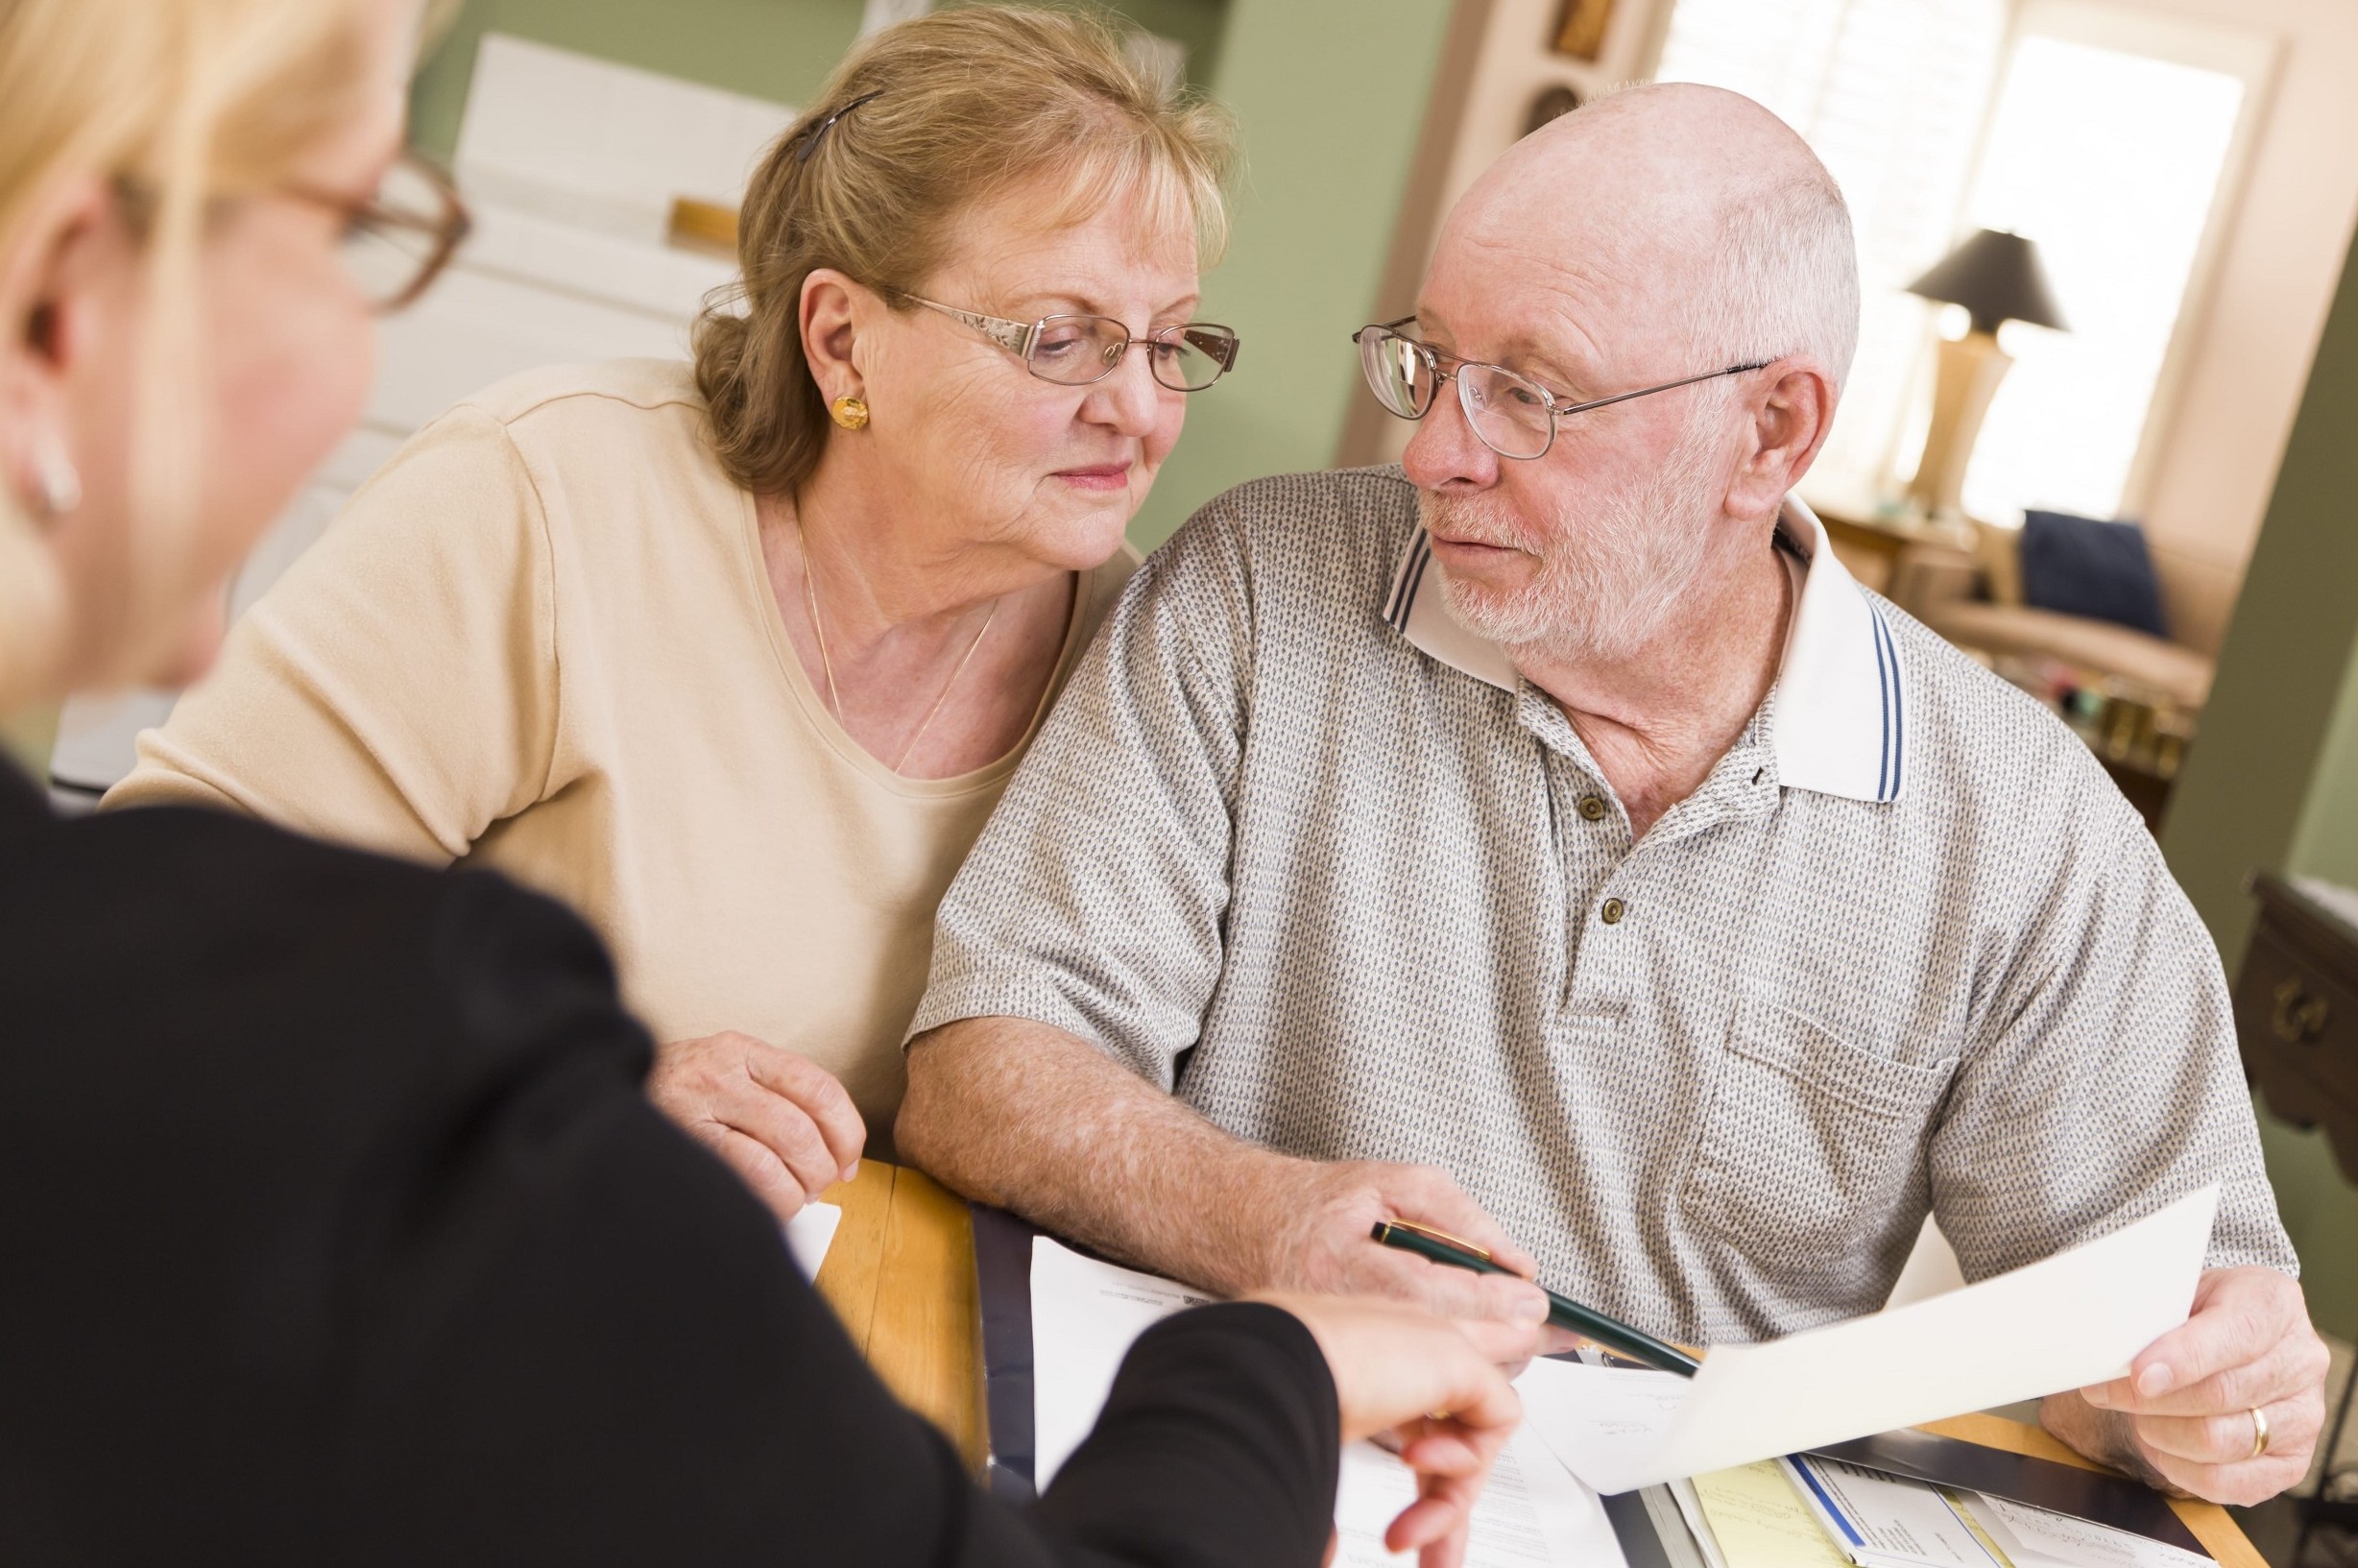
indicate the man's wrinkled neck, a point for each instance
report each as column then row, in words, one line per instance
column 1658, row 715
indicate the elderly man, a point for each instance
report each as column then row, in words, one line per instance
column 1560, row 816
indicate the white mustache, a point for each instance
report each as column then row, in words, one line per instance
column 1468, row 521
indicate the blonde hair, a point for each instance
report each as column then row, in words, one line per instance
column 181, row 104
column 922, row 123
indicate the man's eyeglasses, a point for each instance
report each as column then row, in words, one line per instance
column 400, row 237
column 1513, row 415
column 1076, row 351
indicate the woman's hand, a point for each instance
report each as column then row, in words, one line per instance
column 1438, row 1387
column 780, row 1120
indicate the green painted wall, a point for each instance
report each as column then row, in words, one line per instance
column 2321, row 1212
column 2325, row 837
column 2274, row 780
column 2278, row 703
column 1330, row 95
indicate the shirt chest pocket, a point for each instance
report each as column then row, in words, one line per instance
column 1809, row 1144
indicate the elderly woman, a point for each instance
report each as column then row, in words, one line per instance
column 337, row 1228
column 737, row 658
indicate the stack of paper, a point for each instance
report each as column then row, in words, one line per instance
column 2071, row 1320
column 1881, row 1521
column 2036, row 1538
column 1812, row 1513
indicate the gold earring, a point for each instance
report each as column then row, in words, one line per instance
column 851, row 413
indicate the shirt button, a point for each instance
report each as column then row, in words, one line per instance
column 1612, row 911
column 1591, row 808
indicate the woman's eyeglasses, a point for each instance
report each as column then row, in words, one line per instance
column 1076, row 351
column 1513, row 415
column 398, row 238
column 395, row 241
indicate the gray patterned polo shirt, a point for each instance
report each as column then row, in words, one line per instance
column 1303, row 850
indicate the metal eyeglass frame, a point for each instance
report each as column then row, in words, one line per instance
column 442, row 230
column 1020, row 338
column 1436, row 356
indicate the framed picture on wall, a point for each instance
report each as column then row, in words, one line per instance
column 1580, row 33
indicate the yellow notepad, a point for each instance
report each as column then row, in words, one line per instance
column 1757, row 1521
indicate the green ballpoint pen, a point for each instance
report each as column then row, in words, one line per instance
column 1440, row 1247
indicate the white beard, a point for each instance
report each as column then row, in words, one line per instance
column 1606, row 582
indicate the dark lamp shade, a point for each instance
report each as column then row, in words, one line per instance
column 1996, row 276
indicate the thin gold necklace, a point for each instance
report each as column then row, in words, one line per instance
column 826, row 662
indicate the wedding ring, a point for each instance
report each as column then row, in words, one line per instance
column 2259, row 1433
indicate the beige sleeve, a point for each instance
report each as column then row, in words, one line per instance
column 397, row 687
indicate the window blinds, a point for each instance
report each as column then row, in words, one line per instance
column 1891, row 94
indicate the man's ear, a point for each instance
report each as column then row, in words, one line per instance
column 1790, row 415
column 834, row 309
column 45, row 321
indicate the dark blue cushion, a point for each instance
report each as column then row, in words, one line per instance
column 2081, row 567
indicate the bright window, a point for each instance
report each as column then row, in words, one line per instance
column 2111, row 159
column 1891, row 94
column 2108, row 133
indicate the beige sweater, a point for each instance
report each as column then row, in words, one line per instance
column 542, row 640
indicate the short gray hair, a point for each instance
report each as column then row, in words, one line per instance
column 1784, row 281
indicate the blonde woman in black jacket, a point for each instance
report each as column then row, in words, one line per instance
column 336, row 1228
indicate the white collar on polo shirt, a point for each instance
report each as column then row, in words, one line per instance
column 1840, row 723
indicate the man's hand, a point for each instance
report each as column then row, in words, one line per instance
column 1316, row 1221
column 1437, row 1388
column 2183, row 1417
column 1029, row 1118
column 780, row 1120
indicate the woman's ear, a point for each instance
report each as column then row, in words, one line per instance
column 44, row 276
column 48, row 290
column 833, row 309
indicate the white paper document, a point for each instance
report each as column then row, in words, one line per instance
column 1882, row 1521
column 1085, row 1314
column 2065, row 1323
column 1534, row 1513
column 1591, row 1416
column 2035, row 1538
column 809, row 1234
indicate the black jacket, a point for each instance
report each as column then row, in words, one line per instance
column 335, row 1229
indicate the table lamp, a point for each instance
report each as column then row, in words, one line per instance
column 1996, row 276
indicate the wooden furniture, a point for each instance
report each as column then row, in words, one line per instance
column 2086, row 670
column 2297, row 1008
column 900, row 1274
column 2297, row 1025
column 1870, row 544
